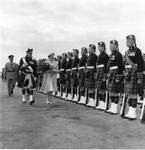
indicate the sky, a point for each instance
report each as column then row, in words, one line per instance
column 61, row 25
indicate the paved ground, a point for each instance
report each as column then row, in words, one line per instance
column 63, row 125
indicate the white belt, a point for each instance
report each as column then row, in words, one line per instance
column 68, row 70
column 129, row 66
column 81, row 68
column 90, row 67
column 113, row 68
column 74, row 68
column 100, row 66
column 61, row 69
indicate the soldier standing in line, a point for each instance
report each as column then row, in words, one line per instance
column 116, row 78
column 62, row 72
column 59, row 58
column 134, row 75
column 74, row 77
column 68, row 75
column 81, row 78
column 11, row 73
column 101, row 68
column 90, row 75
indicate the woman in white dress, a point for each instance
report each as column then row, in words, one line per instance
column 49, row 84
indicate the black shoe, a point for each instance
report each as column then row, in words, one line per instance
column 9, row 93
column 12, row 91
column 32, row 102
column 123, row 117
column 131, row 119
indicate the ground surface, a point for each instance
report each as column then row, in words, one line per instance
column 63, row 125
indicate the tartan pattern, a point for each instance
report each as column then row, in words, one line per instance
column 62, row 77
column 74, row 79
column 68, row 78
column 81, row 78
column 115, row 83
column 22, row 83
column 68, row 81
column 58, row 84
column 100, row 83
column 90, row 80
column 132, row 86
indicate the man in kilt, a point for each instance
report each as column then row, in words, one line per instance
column 62, row 72
column 68, row 75
column 90, row 75
column 81, row 78
column 28, row 75
column 59, row 58
column 134, row 75
column 115, row 76
column 74, row 76
column 101, row 69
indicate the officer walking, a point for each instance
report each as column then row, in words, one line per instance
column 28, row 74
column 11, row 73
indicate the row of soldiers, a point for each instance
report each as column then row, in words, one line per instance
column 93, row 79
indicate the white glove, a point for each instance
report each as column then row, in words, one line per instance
column 30, row 68
column 24, row 65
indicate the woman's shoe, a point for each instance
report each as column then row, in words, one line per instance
column 48, row 102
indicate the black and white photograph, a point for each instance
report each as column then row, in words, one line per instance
column 72, row 74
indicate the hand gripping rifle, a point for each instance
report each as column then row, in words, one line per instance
column 107, row 97
column 123, row 106
column 124, row 99
column 142, row 114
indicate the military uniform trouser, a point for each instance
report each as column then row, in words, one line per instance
column 11, row 84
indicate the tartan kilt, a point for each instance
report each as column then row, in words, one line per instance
column 74, row 79
column 81, row 79
column 89, row 79
column 58, row 84
column 140, row 83
column 62, row 77
column 100, row 83
column 131, row 83
column 68, row 78
column 115, row 82
column 22, row 83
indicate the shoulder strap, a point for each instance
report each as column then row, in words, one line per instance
column 130, row 62
column 24, row 60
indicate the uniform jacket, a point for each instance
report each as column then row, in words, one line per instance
column 30, row 63
column 116, row 59
column 135, row 55
column 11, row 70
column 83, row 61
column 103, row 58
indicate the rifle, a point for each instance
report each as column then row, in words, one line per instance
column 123, row 107
column 142, row 114
column 107, row 101
column 96, row 97
column 107, row 97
